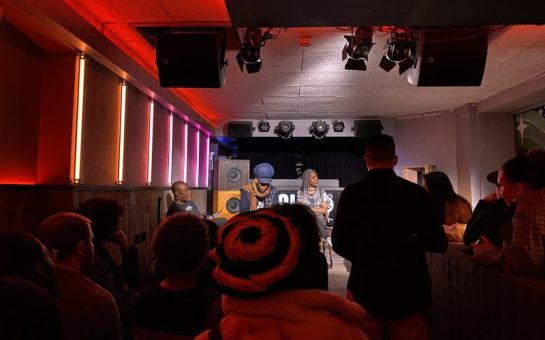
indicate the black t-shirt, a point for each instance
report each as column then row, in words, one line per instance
column 182, row 312
column 188, row 207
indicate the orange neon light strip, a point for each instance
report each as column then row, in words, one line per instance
column 79, row 118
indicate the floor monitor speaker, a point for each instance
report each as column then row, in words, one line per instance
column 191, row 57
column 449, row 57
column 367, row 128
column 227, row 203
column 231, row 174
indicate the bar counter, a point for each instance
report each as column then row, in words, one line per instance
column 478, row 302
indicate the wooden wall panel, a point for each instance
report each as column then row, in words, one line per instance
column 159, row 174
column 21, row 72
column 100, row 136
column 178, row 149
column 24, row 207
column 136, row 138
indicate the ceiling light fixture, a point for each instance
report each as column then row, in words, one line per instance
column 263, row 126
column 318, row 129
column 284, row 129
column 338, row 125
column 357, row 48
column 250, row 53
column 401, row 51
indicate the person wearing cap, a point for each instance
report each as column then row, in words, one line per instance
column 267, row 267
column 259, row 193
column 489, row 217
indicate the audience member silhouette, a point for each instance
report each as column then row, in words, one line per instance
column 384, row 225
column 262, row 259
column 104, row 214
column 179, row 304
column 27, row 311
column 88, row 311
column 451, row 207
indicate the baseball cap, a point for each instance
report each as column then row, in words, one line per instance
column 493, row 177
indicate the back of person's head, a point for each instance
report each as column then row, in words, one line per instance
column 380, row 148
column 212, row 228
column 63, row 232
column 263, row 251
column 536, row 169
column 23, row 256
column 104, row 213
column 439, row 186
column 180, row 244
column 27, row 312
column 516, row 170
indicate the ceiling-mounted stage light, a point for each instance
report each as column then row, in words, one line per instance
column 284, row 129
column 338, row 126
column 400, row 51
column 250, row 53
column 263, row 126
column 357, row 48
column 318, row 129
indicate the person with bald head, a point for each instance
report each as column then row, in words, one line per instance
column 181, row 202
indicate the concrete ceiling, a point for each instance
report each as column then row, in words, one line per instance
column 298, row 82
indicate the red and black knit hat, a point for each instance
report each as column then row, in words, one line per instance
column 255, row 252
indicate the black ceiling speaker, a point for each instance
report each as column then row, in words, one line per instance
column 367, row 128
column 191, row 57
column 236, row 129
column 449, row 57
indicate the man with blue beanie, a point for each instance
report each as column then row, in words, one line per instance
column 259, row 193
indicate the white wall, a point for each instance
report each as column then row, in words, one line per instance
column 427, row 140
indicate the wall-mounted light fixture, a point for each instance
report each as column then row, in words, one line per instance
column 170, row 129
column 150, row 139
column 207, row 166
column 318, row 129
column 186, row 128
column 197, row 149
column 284, row 129
column 79, row 118
column 121, row 133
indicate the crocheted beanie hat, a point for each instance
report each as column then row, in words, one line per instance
column 256, row 252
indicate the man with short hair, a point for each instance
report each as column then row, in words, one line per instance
column 384, row 225
column 260, row 193
column 88, row 310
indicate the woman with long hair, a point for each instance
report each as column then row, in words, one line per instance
column 312, row 196
column 451, row 207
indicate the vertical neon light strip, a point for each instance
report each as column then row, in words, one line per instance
column 171, row 124
column 150, row 140
column 207, row 155
column 185, row 151
column 79, row 118
column 197, row 159
column 122, row 132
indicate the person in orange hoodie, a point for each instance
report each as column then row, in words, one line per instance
column 261, row 267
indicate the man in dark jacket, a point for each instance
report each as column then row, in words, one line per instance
column 384, row 225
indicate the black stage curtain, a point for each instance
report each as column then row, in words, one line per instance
column 333, row 158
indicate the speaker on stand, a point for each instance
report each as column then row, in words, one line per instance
column 229, row 177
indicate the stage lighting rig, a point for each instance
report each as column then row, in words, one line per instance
column 357, row 48
column 318, row 129
column 263, row 126
column 284, row 129
column 250, row 53
column 401, row 51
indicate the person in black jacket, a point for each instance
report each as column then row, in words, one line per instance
column 384, row 225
